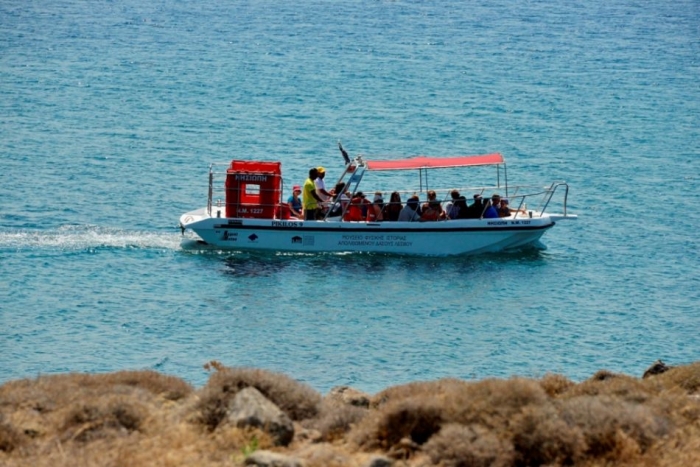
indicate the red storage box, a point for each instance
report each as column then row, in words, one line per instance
column 253, row 189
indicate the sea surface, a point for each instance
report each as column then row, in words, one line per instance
column 111, row 111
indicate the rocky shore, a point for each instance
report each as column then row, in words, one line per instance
column 245, row 416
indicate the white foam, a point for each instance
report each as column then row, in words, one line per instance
column 81, row 237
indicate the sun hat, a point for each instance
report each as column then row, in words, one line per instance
column 296, row 188
column 321, row 170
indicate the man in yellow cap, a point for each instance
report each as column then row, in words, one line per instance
column 321, row 185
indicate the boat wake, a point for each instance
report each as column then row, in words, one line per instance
column 87, row 237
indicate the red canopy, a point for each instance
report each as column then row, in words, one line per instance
column 425, row 162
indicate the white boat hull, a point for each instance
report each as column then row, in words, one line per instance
column 453, row 237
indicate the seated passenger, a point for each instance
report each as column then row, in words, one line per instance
column 432, row 196
column 354, row 211
column 503, row 209
column 491, row 212
column 294, row 203
column 433, row 211
column 374, row 212
column 393, row 208
column 409, row 213
column 340, row 200
column 476, row 209
column 452, row 209
column 462, row 208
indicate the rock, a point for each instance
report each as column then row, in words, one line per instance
column 379, row 461
column 271, row 459
column 349, row 396
column 656, row 368
column 249, row 408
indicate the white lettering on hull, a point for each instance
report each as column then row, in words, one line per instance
column 391, row 241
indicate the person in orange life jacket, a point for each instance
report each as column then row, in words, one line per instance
column 354, row 211
column 432, row 196
column 374, row 212
column 433, row 212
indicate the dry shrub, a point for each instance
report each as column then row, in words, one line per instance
column 686, row 377
column 613, row 427
column 9, row 438
column 606, row 383
column 468, row 446
column 416, row 419
column 297, row 400
column 168, row 387
column 103, row 418
column 81, row 407
column 555, row 385
column 681, row 449
column 418, row 389
column 335, row 420
column 493, row 402
column 46, row 393
column 416, row 411
column 541, row 437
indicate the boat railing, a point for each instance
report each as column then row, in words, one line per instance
column 543, row 198
column 524, row 200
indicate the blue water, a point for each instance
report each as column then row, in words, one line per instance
column 110, row 113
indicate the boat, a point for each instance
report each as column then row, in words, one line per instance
column 246, row 211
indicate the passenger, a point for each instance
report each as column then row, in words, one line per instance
column 476, row 209
column 409, row 213
column 496, row 201
column 491, row 212
column 452, row 209
column 321, row 185
column 504, row 210
column 432, row 196
column 393, row 208
column 310, row 200
column 374, row 212
column 433, row 212
column 462, row 208
column 294, row 203
column 340, row 200
column 354, row 211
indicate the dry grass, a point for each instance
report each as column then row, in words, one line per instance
column 147, row 419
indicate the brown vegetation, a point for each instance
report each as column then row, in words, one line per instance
column 143, row 418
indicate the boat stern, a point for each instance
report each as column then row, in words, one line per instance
column 192, row 217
